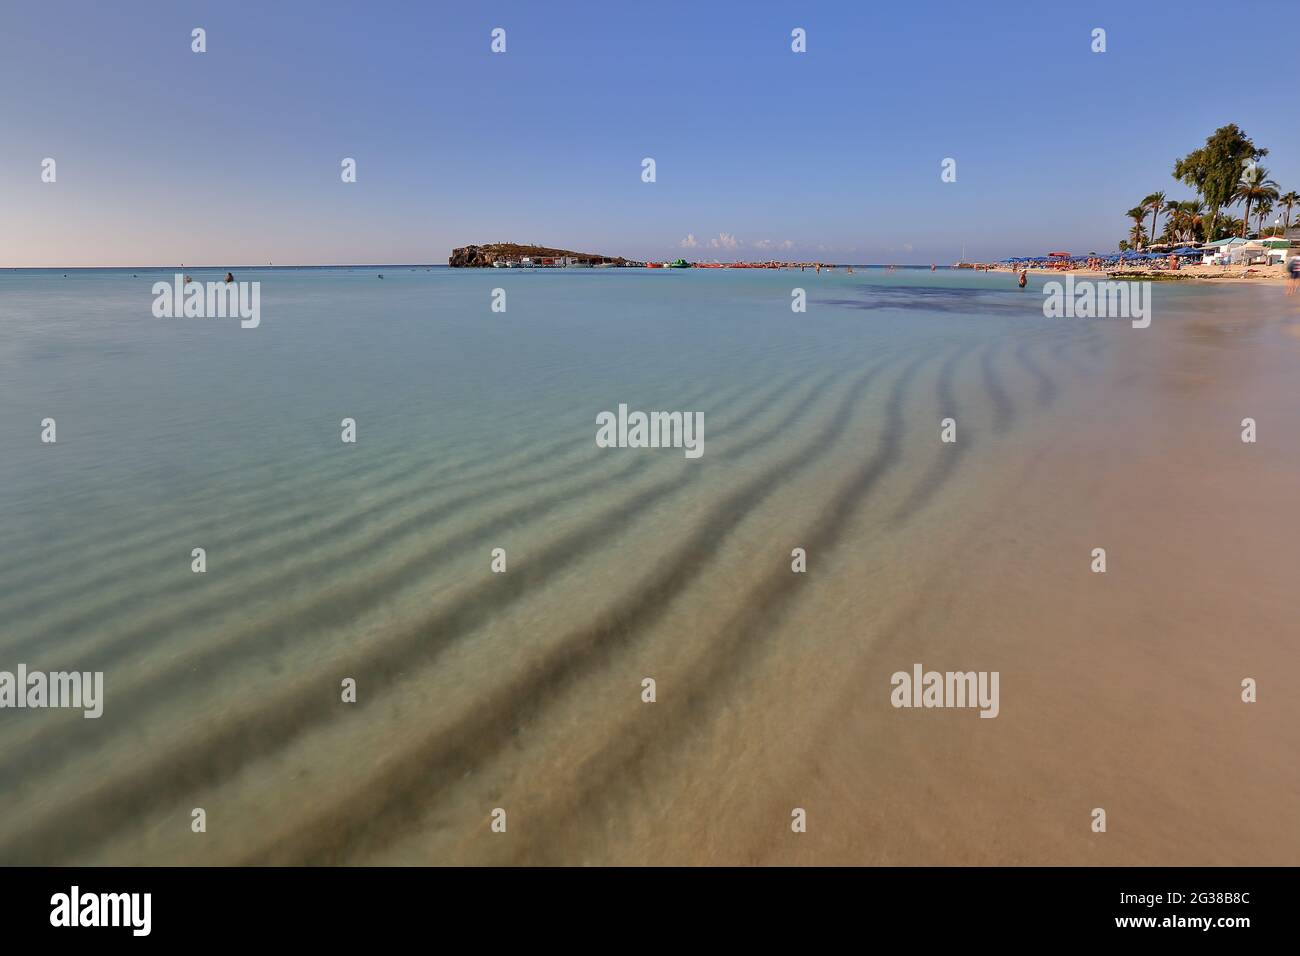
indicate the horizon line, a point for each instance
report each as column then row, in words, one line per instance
column 426, row 265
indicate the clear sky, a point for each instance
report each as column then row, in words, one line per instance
column 233, row 156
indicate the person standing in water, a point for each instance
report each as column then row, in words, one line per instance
column 1024, row 277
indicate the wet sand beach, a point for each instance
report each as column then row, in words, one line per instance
column 1274, row 274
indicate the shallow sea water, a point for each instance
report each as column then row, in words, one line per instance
column 523, row 690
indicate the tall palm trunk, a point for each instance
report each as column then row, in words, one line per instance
column 1245, row 220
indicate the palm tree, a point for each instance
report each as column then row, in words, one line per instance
column 1156, row 203
column 1262, row 209
column 1288, row 200
column 1227, row 226
column 1137, row 236
column 1254, row 186
column 1193, row 211
column 1138, row 214
column 1177, row 222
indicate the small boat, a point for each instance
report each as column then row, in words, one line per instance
column 679, row 264
column 654, row 265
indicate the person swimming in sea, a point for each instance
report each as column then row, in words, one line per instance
column 1024, row 278
column 230, row 277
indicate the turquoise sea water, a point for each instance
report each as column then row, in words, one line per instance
column 475, row 431
column 194, row 414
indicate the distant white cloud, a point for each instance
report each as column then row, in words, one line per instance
column 764, row 244
column 788, row 244
column 690, row 242
column 724, row 240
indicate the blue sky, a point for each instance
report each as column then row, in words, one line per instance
column 233, row 156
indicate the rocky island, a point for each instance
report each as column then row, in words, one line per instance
column 485, row 256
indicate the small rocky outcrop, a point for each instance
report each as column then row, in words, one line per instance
column 477, row 257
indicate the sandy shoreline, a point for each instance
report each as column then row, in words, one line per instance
column 1274, row 274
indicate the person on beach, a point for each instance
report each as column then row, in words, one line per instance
column 1293, row 275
